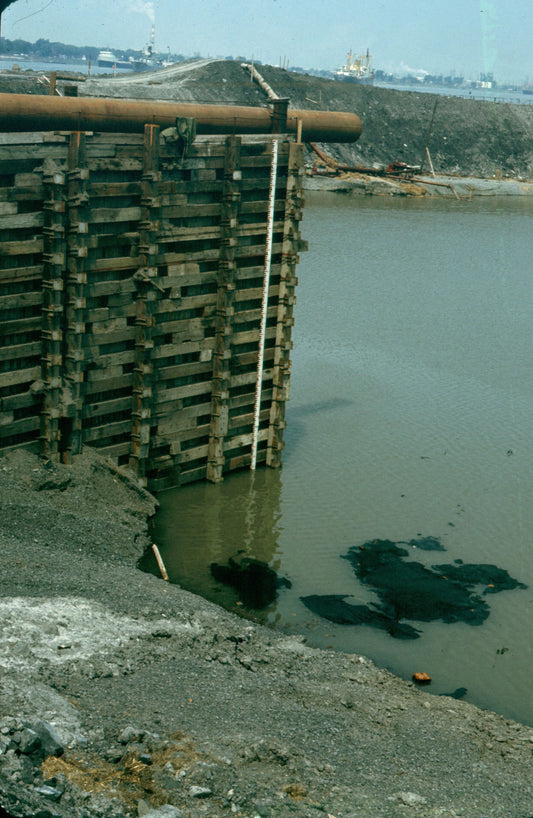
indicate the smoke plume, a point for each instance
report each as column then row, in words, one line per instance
column 144, row 7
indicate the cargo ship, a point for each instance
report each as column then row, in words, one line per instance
column 106, row 59
column 358, row 68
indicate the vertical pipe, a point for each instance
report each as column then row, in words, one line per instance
column 264, row 304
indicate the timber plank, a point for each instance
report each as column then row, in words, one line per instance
column 186, row 416
column 36, row 152
column 250, row 336
column 174, row 393
column 192, row 476
column 20, row 376
column 108, row 378
column 239, row 402
column 196, row 453
column 115, row 264
column 248, row 251
column 7, row 208
column 120, row 214
column 106, row 383
column 21, row 351
column 14, row 195
column 240, row 441
column 95, row 433
column 175, row 425
column 13, row 300
column 248, row 378
column 22, row 247
column 19, row 427
column 15, row 275
column 22, row 220
column 191, row 211
column 167, row 350
column 112, row 139
column 20, row 325
column 247, row 418
column 20, row 401
column 114, row 450
column 32, row 445
column 250, row 358
column 29, row 138
column 254, row 293
column 115, row 359
column 112, row 163
column 101, row 288
column 99, row 190
column 166, row 373
column 28, row 180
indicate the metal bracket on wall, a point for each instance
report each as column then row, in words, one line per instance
column 182, row 136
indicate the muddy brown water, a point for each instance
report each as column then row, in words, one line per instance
column 411, row 415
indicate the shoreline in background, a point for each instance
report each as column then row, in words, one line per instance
column 456, row 186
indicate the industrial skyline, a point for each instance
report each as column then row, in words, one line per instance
column 464, row 37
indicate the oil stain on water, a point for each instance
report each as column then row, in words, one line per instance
column 400, row 524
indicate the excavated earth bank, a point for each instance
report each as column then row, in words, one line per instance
column 121, row 694
column 465, row 137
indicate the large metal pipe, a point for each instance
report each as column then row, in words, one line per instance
column 25, row 112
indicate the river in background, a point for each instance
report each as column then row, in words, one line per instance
column 411, row 414
column 514, row 95
column 41, row 66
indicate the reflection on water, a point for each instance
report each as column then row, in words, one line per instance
column 203, row 523
column 410, row 417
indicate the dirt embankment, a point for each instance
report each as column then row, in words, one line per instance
column 465, row 137
column 123, row 695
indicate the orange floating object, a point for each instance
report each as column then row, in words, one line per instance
column 422, row 678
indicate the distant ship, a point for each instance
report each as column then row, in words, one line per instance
column 106, row 59
column 150, row 60
column 358, row 69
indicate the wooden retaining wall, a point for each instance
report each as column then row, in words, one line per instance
column 130, row 298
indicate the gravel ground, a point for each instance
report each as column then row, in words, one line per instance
column 121, row 694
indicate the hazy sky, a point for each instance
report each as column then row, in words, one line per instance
column 440, row 36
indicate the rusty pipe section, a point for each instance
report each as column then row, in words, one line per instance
column 24, row 112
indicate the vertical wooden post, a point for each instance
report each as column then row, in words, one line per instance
column 430, row 162
column 52, row 310
column 75, row 295
column 148, row 290
column 224, row 309
column 292, row 244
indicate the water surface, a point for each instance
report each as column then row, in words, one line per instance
column 410, row 415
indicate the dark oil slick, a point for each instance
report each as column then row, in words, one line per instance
column 409, row 590
column 254, row 580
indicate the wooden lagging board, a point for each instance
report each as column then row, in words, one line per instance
column 130, row 298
